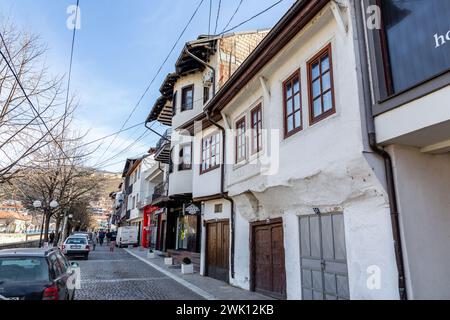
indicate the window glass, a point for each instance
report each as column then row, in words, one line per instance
column 23, row 269
column 321, row 85
column 293, row 104
column 185, row 161
column 210, row 152
column 256, row 116
column 174, row 104
column 417, row 40
column 187, row 102
column 241, row 146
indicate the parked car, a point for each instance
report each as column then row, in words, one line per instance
column 76, row 246
column 127, row 236
column 89, row 236
column 36, row 274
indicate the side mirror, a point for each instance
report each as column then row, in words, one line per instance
column 74, row 265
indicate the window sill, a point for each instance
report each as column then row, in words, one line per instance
column 209, row 170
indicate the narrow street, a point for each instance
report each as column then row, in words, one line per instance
column 120, row 276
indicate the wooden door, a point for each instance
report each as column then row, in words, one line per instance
column 268, row 265
column 218, row 250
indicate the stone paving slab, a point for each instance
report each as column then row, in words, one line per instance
column 120, row 276
column 219, row 290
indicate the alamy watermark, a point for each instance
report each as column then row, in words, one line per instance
column 74, row 19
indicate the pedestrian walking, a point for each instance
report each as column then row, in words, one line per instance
column 52, row 237
column 108, row 237
column 112, row 243
column 101, row 237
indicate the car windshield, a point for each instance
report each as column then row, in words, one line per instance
column 76, row 241
column 23, row 269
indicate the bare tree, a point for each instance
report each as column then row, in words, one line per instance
column 32, row 104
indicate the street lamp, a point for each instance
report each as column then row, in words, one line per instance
column 38, row 204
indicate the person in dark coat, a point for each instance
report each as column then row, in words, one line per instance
column 52, row 237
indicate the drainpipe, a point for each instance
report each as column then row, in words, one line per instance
column 223, row 194
column 222, row 189
column 381, row 152
column 206, row 65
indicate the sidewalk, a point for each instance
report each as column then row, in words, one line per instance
column 208, row 288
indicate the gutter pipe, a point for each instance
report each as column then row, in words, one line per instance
column 222, row 166
column 389, row 170
column 222, row 190
column 186, row 49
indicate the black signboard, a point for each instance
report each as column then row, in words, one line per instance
column 418, row 40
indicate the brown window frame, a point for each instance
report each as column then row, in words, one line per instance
column 208, row 158
column 318, row 58
column 289, row 80
column 242, row 121
column 181, row 165
column 257, row 129
column 184, row 90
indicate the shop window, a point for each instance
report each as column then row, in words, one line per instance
column 415, row 40
column 187, row 232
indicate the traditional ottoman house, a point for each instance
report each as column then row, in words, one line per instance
column 202, row 69
column 299, row 209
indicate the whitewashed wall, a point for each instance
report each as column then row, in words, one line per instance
column 423, row 186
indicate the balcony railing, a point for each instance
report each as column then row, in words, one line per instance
column 163, row 148
column 161, row 190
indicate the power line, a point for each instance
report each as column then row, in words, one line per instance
column 234, row 14
column 251, row 18
column 111, row 135
column 157, row 73
column 218, row 16
column 144, row 135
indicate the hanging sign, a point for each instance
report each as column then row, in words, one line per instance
column 192, row 209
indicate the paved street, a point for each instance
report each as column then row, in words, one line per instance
column 120, row 276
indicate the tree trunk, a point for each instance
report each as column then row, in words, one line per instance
column 58, row 225
column 48, row 217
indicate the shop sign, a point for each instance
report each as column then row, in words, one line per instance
column 192, row 209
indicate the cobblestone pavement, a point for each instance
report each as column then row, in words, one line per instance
column 120, row 276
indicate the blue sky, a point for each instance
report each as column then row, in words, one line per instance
column 119, row 48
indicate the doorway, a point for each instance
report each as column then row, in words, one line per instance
column 218, row 250
column 268, row 259
column 323, row 257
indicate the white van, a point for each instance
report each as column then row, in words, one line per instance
column 127, row 236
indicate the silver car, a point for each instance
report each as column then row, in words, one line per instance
column 76, row 246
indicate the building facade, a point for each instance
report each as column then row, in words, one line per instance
column 319, row 167
column 407, row 92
